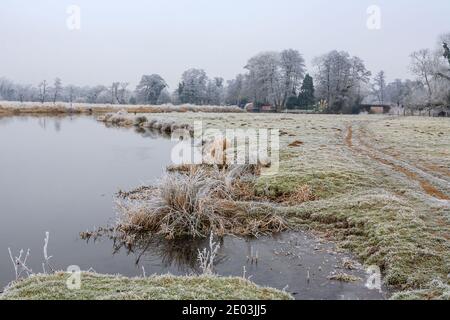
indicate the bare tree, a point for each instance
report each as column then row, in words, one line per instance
column 235, row 91
column 57, row 89
column 379, row 86
column 292, row 67
column 43, row 91
column 215, row 91
column 422, row 67
column 71, row 94
column 120, row 92
column 113, row 91
column 339, row 79
column 94, row 93
column 264, row 78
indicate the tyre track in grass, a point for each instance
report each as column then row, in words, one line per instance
column 426, row 180
column 407, row 170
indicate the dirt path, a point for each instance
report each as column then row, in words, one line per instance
column 426, row 179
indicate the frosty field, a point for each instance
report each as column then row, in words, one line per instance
column 381, row 187
column 377, row 186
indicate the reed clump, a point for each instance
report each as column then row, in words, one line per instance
column 194, row 202
column 124, row 119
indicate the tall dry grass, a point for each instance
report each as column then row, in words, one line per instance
column 15, row 107
column 196, row 202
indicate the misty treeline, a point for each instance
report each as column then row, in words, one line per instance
column 337, row 83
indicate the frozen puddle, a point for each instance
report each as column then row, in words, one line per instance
column 295, row 261
column 301, row 264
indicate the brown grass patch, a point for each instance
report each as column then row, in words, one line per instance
column 300, row 195
column 438, row 169
column 296, row 143
column 349, row 137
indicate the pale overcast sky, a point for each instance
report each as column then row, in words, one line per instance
column 121, row 40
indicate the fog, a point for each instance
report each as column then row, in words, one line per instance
column 121, row 40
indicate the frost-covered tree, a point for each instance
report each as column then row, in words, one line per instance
column 193, row 87
column 339, row 80
column 379, row 87
column 292, row 67
column 93, row 94
column 215, row 91
column 164, row 97
column 398, row 90
column 417, row 98
column 24, row 93
column 273, row 77
column 71, row 93
column 236, row 91
column 43, row 88
column 7, row 89
column 422, row 65
column 149, row 88
column 264, row 79
column 57, row 89
column 430, row 69
column 119, row 92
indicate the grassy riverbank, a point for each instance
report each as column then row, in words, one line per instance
column 59, row 108
column 100, row 287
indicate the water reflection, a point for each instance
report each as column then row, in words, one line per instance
column 181, row 254
column 59, row 174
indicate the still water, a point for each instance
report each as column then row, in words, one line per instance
column 60, row 175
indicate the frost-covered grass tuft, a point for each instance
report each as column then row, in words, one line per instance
column 125, row 119
column 195, row 203
column 206, row 256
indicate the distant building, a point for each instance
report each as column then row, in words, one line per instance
column 251, row 107
column 443, row 111
column 267, row 108
column 371, row 105
column 375, row 108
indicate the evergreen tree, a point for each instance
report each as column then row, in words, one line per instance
column 306, row 97
column 446, row 52
column 446, row 56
